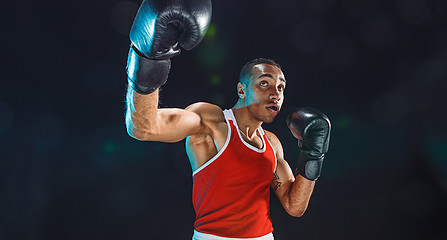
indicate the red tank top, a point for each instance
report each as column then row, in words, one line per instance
column 231, row 192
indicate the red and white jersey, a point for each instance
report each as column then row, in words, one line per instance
column 231, row 192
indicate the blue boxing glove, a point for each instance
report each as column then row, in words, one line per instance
column 160, row 28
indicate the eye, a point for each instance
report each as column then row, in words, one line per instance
column 263, row 84
column 281, row 87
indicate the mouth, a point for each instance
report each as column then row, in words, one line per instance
column 273, row 108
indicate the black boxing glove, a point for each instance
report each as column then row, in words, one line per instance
column 312, row 129
column 159, row 29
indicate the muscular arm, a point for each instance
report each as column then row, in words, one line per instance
column 159, row 30
column 146, row 122
column 293, row 193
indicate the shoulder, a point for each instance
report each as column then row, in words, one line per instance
column 273, row 139
column 208, row 112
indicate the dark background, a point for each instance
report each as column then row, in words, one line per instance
column 377, row 68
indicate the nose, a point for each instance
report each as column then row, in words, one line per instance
column 275, row 95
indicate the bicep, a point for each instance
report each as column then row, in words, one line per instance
column 282, row 179
column 176, row 124
column 167, row 125
column 283, row 176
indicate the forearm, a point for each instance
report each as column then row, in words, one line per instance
column 312, row 129
column 299, row 195
column 141, row 113
column 179, row 25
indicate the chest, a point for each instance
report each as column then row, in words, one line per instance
column 221, row 134
column 241, row 160
column 201, row 148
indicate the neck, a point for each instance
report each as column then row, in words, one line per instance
column 245, row 121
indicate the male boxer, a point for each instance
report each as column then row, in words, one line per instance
column 234, row 161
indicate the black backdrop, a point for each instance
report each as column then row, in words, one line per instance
column 377, row 68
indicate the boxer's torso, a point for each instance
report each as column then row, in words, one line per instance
column 203, row 146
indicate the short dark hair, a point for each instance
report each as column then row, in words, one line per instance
column 246, row 69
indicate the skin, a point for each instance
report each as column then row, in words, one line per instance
column 204, row 127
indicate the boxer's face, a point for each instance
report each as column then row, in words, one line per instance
column 264, row 93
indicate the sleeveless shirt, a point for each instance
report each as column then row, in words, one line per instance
column 231, row 191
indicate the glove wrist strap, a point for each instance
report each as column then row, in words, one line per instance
column 146, row 75
column 309, row 166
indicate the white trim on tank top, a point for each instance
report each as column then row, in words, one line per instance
column 227, row 116
column 274, row 152
column 242, row 139
column 205, row 236
column 230, row 116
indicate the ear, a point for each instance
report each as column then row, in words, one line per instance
column 241, row 90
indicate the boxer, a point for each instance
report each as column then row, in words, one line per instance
column 234, row 160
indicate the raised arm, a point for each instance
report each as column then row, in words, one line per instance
column 160, row 28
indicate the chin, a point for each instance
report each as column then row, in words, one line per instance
column 269, row 120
